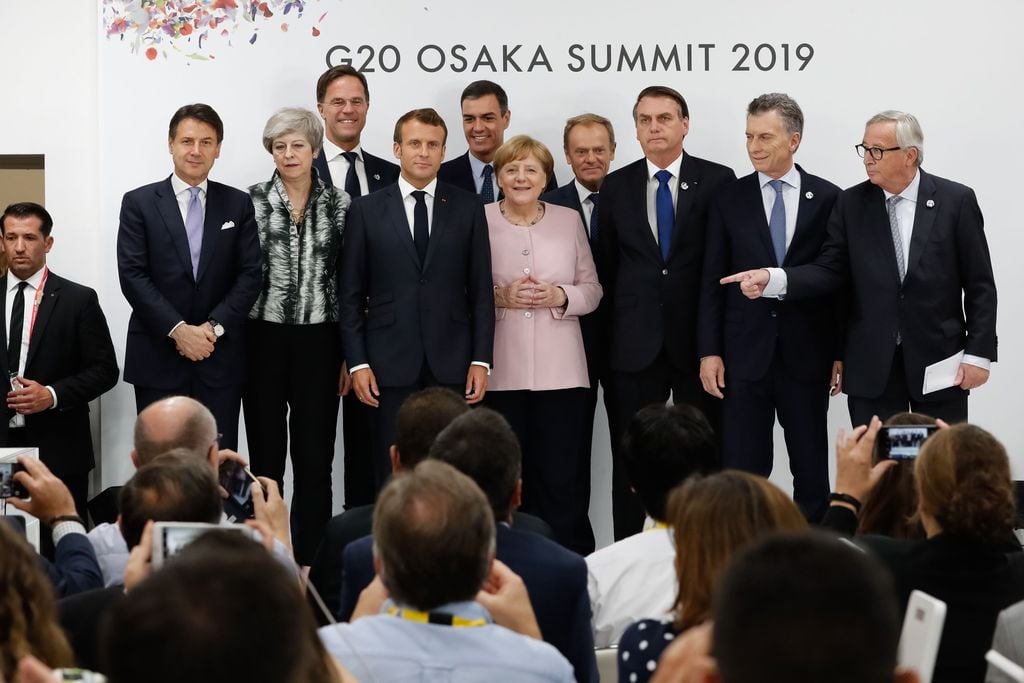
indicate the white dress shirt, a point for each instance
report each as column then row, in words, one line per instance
column 586, row 203
column 338, row 166
column 184, row 197
column 406, row 189
column 29, row 296
column 652, row 191
column 790, row 198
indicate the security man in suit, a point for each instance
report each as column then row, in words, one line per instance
column 650, row 248
column 921, row 290
column 189, row 260
column 343, row 99
column 776, row 355
column 417, row 304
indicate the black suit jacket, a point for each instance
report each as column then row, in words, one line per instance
column 156, row 278
column 459, row 173
column 396, row 311
column 746, row 333
column 379, row 173
column 71, row 351
column 81, row 617
column 555, row 578
column 653, row 303
column 946, row 303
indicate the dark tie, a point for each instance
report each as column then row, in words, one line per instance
column 17, row 325
column 487, row 189
column 777, row 222
column 420, row 234
column 666, row 213
column 593, row 216
column 351, row 179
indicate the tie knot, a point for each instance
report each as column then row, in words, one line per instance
column 21, row 286
column 488, row 171
column 418, row 195
column 777, row 185
column 893, row 200
column 193, row 192
column 350, row 157
column 663, row 176
column 593, row 198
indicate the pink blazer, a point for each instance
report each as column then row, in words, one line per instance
column 542, row 349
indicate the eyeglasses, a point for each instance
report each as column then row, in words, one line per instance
column 875, row 152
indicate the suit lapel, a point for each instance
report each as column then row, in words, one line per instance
column 689, row 179
column 438, row 224
column 877, row 218
column 640, row 183
column 167, row 204
column 755, row 216
column 924, row 220
column 320, row 164
column 3, row 321
column 804, row 214
column 51, row 291
column 211, row 228
column 395, row 217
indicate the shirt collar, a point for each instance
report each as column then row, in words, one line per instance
column 477, row 165
column 790, row 177
column 331, row 150
column 910, row 191
column 468, row 610
column 672, row 168
column 179, row 185
column 406, row 188
column 33, row 281
column 582, row 191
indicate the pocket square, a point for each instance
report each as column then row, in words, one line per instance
column 228, row 225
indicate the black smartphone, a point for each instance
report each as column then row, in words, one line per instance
column 237, row 480
column 9, row 486
column 902, row 442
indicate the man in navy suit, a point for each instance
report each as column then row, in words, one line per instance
column 589, row 144
column 485, row 117
column 912, row 248
column 776, row 355
column 482, row 445
column 343, row 100
column 189, row 260
column 650, row 249
column 417, row 304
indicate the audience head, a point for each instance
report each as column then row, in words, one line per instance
column 664, row 445
column 28, row 610
column 420, row 419
column 485, row 116
column 889, row 510
column 589, row 144
column 226, row 610
column 805, row 608
column 171, row 488
column 964, row 485
column 482, row 445
column 343, row 99
column 175, row 422
column 713, row 518
column 433, row 534
column 533, row 156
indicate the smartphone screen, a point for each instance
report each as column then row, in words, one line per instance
column 9, row 486
column 176, row 538
column 902, row 442
column 16, row 522
column 237, row 481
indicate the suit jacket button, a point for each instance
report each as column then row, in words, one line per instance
column 774, row 314
column 528, row 314
column 526, row 252
column 423, row 281
column 526, row 270
column 664, row 271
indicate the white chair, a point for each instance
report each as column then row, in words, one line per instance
column 922, row 633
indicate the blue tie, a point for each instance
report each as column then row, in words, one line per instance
column 665, row 211
column 777, row 223
column 194, row 228
column 487, row 189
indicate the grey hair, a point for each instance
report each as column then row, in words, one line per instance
column 789, row 111
column 294, row 120
column 908, row 130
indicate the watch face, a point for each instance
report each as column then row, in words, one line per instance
column 218, row 330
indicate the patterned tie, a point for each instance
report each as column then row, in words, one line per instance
column 897, row 236
column 665, row 212
column 487, row 189
column 420, row 233
column 777, row 222
column 17, row 325
column 351, row 179
column 194, row 228
column 593, row 216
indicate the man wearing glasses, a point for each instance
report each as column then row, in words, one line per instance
column 921, row 290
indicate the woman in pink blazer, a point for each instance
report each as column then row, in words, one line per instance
column 544, row 279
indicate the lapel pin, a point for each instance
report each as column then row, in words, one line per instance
column 684, row 186
column 930, row 203
column 809, row 195
column 376, row 176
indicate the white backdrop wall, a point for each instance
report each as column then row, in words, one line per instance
column 98, row 106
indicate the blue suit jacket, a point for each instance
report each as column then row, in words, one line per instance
column 155, row 269
column 555, row 578
column 74, row 568
column 459, row 173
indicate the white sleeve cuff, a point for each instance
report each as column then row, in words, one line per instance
column 977, row 361
column 777, row 282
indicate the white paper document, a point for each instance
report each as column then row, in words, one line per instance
column 942, row 375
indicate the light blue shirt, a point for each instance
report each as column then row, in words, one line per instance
column 478, row 174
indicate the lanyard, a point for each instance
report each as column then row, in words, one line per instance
column 439, row 618
column 37, row 299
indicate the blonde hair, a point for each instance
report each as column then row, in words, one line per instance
column 520, row 147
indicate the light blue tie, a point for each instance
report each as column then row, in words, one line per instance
column 777, row 222
column 194, row 228
column 665, row 212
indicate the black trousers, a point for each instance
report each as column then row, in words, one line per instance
column 896, row 399
column 748, row 420
column 550, row 426
column 223, row 402
column 358, row 465
column 292, row 391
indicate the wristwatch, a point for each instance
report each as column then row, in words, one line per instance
column 218, row 329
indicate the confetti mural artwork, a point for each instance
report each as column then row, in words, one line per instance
column 195, row 29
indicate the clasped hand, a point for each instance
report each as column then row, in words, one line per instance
column 526, row 292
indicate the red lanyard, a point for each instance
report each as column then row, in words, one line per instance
column 35, row 304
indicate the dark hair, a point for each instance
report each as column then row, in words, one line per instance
column 478, row 89
column 664, row 445
column 434, row 535
column 333, row 74
column 784, row 105
column 421, row 418
column 482, row 445
column 426, row 116
column 203, row 113
column 227, row 611
column 28, row 210
column 889, row 510
column 195, row 431
column 663, row 91
column 174, row 487
column 790, row 608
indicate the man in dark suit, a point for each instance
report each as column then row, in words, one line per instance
column 482, row 445
column 59, row 354
column 343, row 99
column 589, row 145
column 912, row 248
column 779, row 354
column 417, row 304
column 189, row 260
column 485, row 117
column 650, row 248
